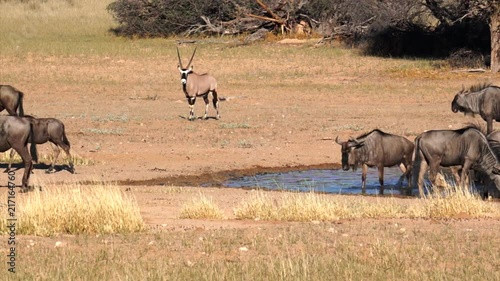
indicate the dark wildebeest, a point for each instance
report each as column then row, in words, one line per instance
column 377, row 149
column 466, row 147
column 198, row 85
column 11, row 99
column 482, row 99
column 15, row 133
column 50, row 130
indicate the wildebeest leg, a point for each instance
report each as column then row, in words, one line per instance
column 381, row 179
column 421, row 173
column 71, row 165
column 403, row 169
column 205, row 99
column 433, row 171
column 215, row 101
column 364, row 170
column 28, row 164
column 51, row 169
column 11, row 155
column 464, row 176
column 191, row 101
column 489, row 125
column 11, row 111
column 456, row 171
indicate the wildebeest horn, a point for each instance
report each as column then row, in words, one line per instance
column 354, row 140
column 337, row 140
column 179, row 56
column 194, row 52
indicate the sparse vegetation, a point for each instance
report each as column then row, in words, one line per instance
column 201, row 207
column 234, row 126
column 320, row 207
column 116, row 131
column 76, row 209
column 78, row 160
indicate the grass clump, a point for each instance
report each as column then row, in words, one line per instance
column 201, row 208
column 75, row 209
column 296, row 206
column 452, row 201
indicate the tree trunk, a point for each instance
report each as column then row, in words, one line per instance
column 495, row 40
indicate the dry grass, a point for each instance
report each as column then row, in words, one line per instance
column 452, row 201
column 201, row 207
column 75, row 209
column 78, row 160
column 321, row 207
column 365, row 250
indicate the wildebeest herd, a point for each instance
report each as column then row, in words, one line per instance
column 462, row 150
column 17, row 130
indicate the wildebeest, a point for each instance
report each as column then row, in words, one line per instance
column 11, row 99
column 15, row 133
column 482, row 99
column 50, row 130
column 466, row 147
column 198, row 85
column 377, row 149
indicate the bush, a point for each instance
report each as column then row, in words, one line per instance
column 159, row 18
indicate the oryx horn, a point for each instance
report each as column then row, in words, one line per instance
column 189, row 63
column 179, row 56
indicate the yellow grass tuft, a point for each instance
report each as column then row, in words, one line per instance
column 311, row 206
column 452, row 201
column 75, row 209
column 201, row 208
column 296, row 206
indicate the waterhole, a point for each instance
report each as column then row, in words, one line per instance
column 328, row 181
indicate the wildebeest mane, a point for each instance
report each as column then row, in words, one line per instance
column 370, row 132
column 476, row 88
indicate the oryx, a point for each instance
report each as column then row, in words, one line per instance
column 197, row 85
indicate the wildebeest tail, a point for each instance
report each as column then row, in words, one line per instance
column 33, row 151
column 20, row 108
column 65, row 139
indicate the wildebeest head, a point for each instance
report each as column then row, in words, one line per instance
column 459, row 103
column 187, row 70
column 349, row 154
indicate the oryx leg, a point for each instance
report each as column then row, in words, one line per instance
column 191, row 101
column 215, row 101
column 364, row 170
column 205, row 99
column 381, row 179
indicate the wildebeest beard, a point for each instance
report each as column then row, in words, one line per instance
column 353, row 161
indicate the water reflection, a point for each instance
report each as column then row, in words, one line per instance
column 330, row 181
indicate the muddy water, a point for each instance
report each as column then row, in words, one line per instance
column 330, row 181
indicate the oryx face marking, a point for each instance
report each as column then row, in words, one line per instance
column 184, row 74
